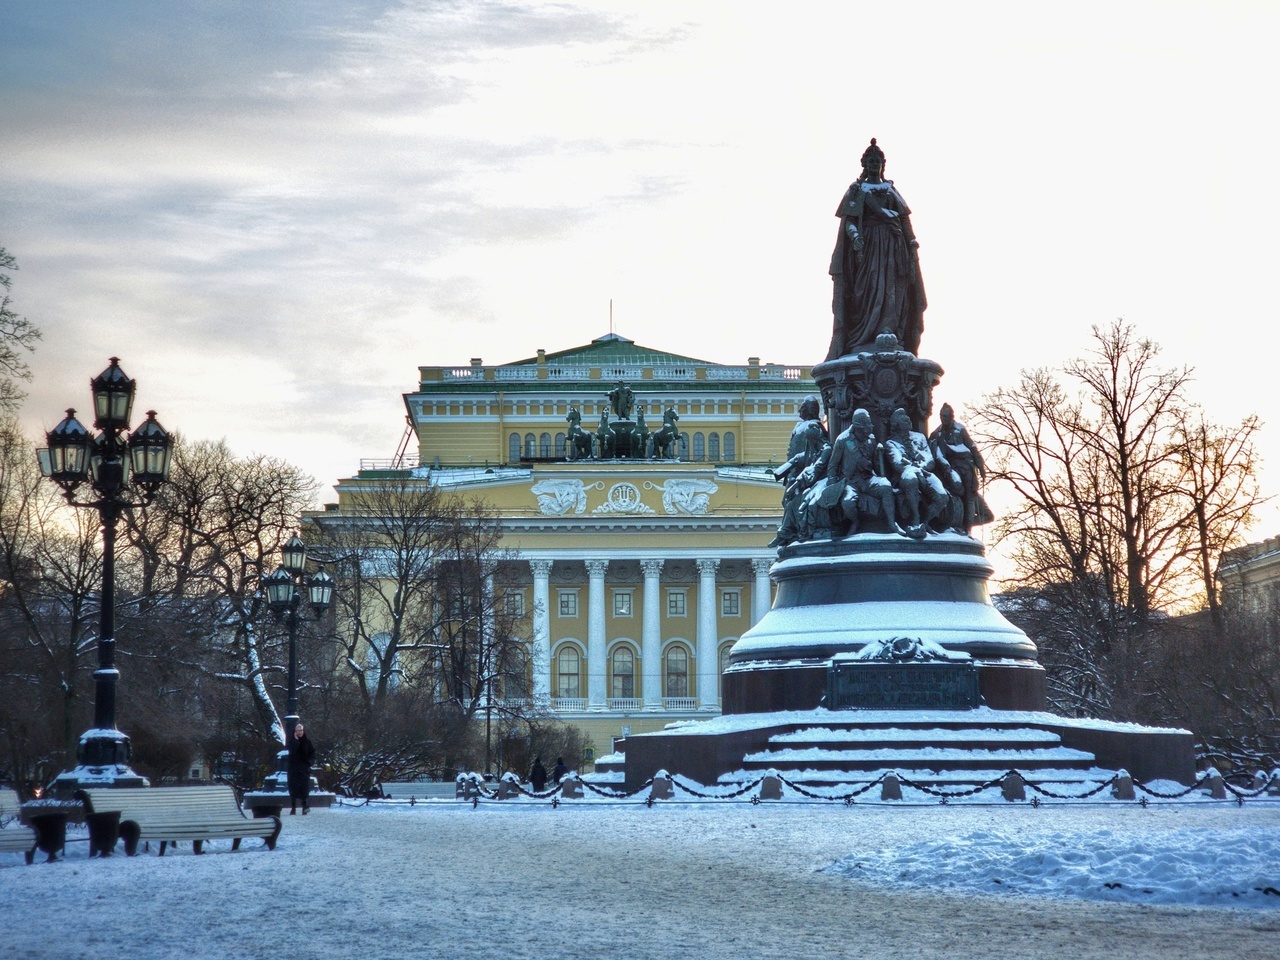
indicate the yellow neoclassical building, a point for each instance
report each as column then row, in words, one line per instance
column 637, row 572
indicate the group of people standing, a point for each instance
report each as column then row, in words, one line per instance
column 915, row 483
column 538, row 775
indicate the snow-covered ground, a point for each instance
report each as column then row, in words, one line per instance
column 704, row 881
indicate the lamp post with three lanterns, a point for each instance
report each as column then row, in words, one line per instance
column 109, row 473
column 284, row 594
column 284, row 589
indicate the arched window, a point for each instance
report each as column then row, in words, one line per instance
column 622, row 666
column 513, row 448
column 699, row 447
column 544, row 446
column 730, row 447
column 724, row 663
column 684, row 446
column 560, row 449
column 676, row 668
column 713, row 447
column 568, row 672
column 530, row 445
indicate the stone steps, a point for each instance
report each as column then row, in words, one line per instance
column 929, row 754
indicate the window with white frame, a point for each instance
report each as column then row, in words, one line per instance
column 731, row 603
column 677, row 602
column 622, row 603
column 676, row 670
column 568, row 602
column 568, row 672
column 513, row 601
column 622, row 669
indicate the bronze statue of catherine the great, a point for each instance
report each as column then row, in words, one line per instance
column 874, row 268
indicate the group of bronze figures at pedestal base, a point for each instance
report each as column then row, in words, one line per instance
column 622, row 438
column 908, row 484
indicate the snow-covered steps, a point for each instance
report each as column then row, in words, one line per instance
column 923, row 751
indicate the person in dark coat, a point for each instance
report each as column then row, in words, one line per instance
column 301, row 752
column 538, row 775
column 559, row 770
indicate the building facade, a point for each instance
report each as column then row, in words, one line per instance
column 636, row 572
column 1249, row 578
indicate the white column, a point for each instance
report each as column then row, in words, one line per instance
column 541, row 631
column 708, row 635
column 761, row 594
column 597, row 669
column 651, row 636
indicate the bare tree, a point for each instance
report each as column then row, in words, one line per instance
column 17, row 335
column 1219, row 475
column 425, row 631
column 1124, row 503
column 50, row 567
column 204, row 546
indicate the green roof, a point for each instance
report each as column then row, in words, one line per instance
column 613, row 348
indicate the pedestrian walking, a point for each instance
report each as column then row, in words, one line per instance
column 301, row 752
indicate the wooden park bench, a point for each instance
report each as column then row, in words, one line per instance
column 174, row 814
column 15, row 838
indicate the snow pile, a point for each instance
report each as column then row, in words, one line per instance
column 1237, row 868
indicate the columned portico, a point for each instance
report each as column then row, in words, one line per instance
column 762, row 593
column 597, row 665
column 541, row 629
column 651, row 636
column 708, row 669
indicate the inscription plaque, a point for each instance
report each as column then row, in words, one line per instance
column 871, row 685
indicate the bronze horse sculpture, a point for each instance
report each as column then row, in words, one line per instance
column 666, row 440
column 578, row 441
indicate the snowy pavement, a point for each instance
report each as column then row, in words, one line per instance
column 704, row 881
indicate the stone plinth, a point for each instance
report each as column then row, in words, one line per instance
column 836, row 597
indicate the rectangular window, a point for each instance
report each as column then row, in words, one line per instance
column 622, row 603
column 514, row 603
column 568, row 603
column 676, row 603
column 730, row 603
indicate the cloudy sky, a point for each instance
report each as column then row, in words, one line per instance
column 273, row 213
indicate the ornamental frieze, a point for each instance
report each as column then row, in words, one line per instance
column 558, row 497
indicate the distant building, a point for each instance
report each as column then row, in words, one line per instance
column 638, row 574
column 1249, row 578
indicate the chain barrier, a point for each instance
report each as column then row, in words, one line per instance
column 1199, row 784
column 556, row 793
column 948, row 795
column 1069, row 796
column 717, row 796
column 846, row 797
column 1242, row 794
column 614, row 794
column 545, row 795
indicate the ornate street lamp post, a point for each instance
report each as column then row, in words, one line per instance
column 284, row 590
column 284, row 593
column 109, row 473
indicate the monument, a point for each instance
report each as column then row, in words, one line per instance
column 881, row 621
